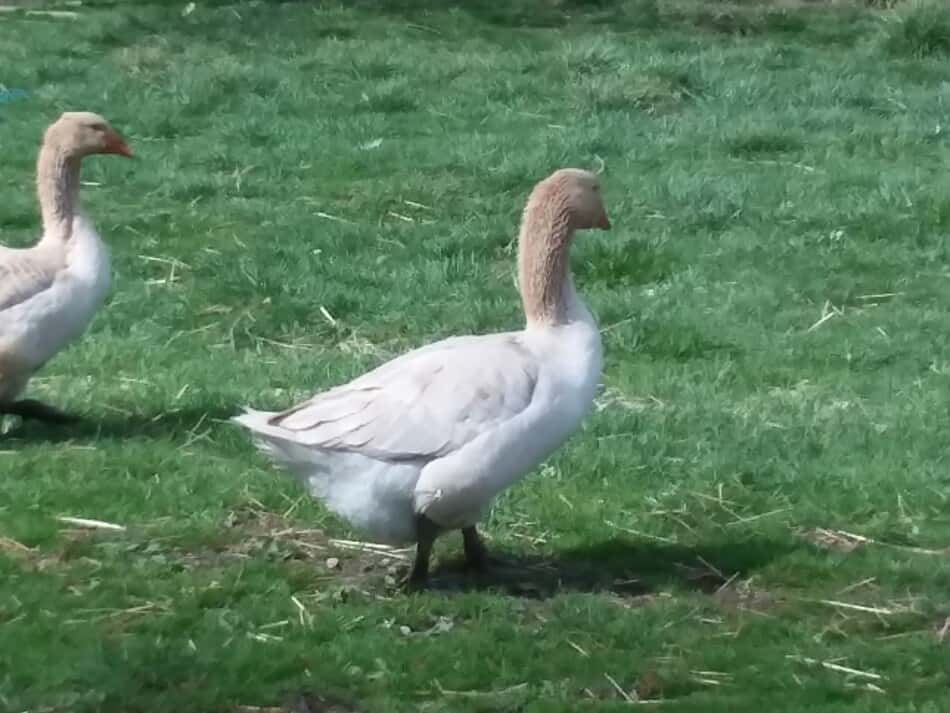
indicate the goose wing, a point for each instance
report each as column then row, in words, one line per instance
column 418, row 407
column 24, row 274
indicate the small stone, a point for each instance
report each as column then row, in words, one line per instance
column 333, row 563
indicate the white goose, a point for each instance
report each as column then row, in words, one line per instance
column 423, row 443
column 50, row 292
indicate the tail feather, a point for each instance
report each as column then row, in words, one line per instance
column 273, row 440
column 254, row 420
column 374, row 496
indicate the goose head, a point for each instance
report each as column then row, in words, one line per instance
column 581, row 189
column 82, row 133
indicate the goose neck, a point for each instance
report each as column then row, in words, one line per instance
column 543, row 267
column 57, row 182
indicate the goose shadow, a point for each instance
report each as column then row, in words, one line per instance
column 627, row 568
column 171, row 424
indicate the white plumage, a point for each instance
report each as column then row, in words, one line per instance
column 48, row 297
column 438, row 431
column 425, row 442
column 50, row 292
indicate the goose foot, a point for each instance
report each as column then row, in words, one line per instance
column 31, row 409
column 427, row 531
column 479, row 559
column 476, row 554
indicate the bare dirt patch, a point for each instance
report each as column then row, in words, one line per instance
column 254, row 532
column 634, row 573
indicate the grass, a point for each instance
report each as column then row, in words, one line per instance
column 922, row 30
column 755, row 514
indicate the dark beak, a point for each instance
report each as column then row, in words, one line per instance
column 604, row 222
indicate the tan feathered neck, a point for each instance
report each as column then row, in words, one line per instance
column 543, row 244
column 57, row 186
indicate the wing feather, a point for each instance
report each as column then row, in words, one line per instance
column 24, row 274
column 422, row 405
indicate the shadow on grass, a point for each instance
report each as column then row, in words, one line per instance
column 114, row 426
column 527, row 13
column 534, row 13
column 628, row 568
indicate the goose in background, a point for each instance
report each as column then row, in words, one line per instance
column 50, row 292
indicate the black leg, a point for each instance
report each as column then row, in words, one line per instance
column 38, row 411
column 476, row 556
column 427, row 532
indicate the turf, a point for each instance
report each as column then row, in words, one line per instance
column 755, row 515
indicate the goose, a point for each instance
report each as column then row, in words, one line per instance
column 422, row 444
column 50, row 292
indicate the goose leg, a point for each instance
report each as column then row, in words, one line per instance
column 37, row 411
column 427, row 532
column 476, row 556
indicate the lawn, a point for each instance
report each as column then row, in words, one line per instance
column 755, row 516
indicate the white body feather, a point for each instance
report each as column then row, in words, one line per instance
column 441, row 430
column 48, row 296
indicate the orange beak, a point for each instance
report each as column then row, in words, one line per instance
column 116, row 144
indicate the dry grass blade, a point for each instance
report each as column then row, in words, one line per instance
column 638, row 533
column 857, row 585
column 838, row 668
column 55, row 14
column 384, row 550
column 327, row 216
column 751, row 518
column 847, row 541
column 91, row 524
column 858, row 607
column 480, row 694
column 617, row 687
column 944, row 630
column 104, row 614
column 827, row 312
column 8, row 544
column 578, row 649
column 304, row 615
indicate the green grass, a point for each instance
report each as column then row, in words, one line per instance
column 766, row 166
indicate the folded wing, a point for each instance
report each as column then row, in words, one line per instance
column 421, row 406
column 23, row 274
